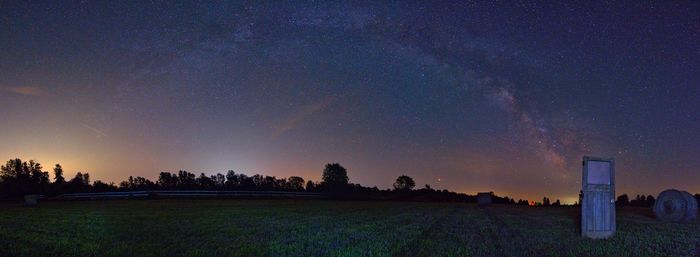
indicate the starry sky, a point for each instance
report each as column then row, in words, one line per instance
column 504, row 97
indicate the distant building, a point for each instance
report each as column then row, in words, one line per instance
column 484, row 199
column 31, row 200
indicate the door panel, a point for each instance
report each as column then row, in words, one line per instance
column 599, row 210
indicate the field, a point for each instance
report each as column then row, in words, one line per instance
column 324, row 228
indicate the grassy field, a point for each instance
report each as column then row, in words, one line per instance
column 324, row 228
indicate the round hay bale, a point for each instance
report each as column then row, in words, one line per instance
column 677, row 206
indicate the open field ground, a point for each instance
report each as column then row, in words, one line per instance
column 324, row 228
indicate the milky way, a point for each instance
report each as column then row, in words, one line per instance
column 466, row 96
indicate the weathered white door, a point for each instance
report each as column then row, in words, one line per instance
column 598, row 203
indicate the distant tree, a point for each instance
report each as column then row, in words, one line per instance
column 231, row 179
column 623, row 200
column 246, row 182
column 643, row 201
column 137, row 183
column 310, row 186
column 545, row 201
column 404, row 182
column 264, row 182
column 205, row 182
column 79, row 183
column 14, row 168
column 186, row 180
column 580, row 198
column 39, row 178
column 57, row 187
column 335, row 175
column 295, row 183
column 272, row 183
column 19, row 178
column 335, row 180
column 166, row 180
column 86, row 178
column 650, row 201
column 427, row 187
column 637, row 201
column 219, row 180
column 81, row 179
column 58, row 174
column 557, row 203
column 127, row 184
column 500, row 200
column 257, row 180
column 99, row 186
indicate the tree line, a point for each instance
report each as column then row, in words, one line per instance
column 639, row 201
column 18, row 178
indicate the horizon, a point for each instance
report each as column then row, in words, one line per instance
column 469, row 97
column 318, row 180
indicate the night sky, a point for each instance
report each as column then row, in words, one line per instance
column 471, row 97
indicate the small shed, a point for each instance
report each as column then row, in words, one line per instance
column 484, row 199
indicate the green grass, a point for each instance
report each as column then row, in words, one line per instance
column 324, row 228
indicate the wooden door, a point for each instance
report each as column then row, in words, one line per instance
column 598, row 203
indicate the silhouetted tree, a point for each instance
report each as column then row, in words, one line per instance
column 637, row 201
column 82, row 178
column 335, row 179
column 545, row 201
column 99, row 186
column 404, row 182
column 246, row 183
column 18, row 178
column 79, row 183
column 643, row 201
column 557, row 203
column 650, row 201
column 205, row 182
column 40, row 179
column 270, row 183
column 623, row 200
column 310, row 186
column 580, row 198
column 186, row 180
column 335, row 175
column 167, row 180
column 295, row 183
column 231, row 179
column 58, row 174
column 138, row 183
column 13, row 169
column 258, row 181
column 219, row 180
